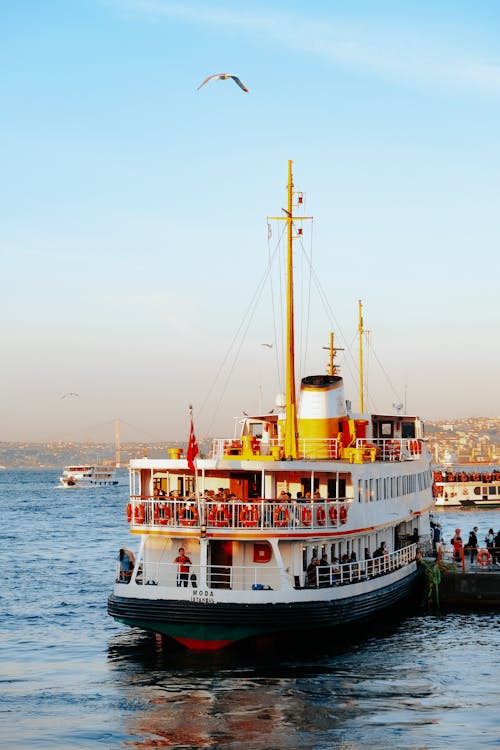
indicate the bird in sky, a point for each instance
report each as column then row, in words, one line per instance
column 224, row 77
column 270, row 346
column 69, row 394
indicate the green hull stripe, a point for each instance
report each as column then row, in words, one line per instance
column 195, row 632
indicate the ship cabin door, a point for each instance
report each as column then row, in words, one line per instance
column 245, row 485
column 220, row 564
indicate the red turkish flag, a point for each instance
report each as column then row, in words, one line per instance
column 192, row 449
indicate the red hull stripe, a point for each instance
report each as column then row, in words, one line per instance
column 198, row 645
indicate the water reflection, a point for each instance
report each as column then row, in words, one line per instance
column 406, row 683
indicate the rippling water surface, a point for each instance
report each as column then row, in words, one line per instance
column 73, row 678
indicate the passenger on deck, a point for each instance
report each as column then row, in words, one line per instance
column 312, row 574
column 378, row 557
column 497, row 547
column 368, row 562
column 472, row 544
column 183, row 563
column 345, row 567
column 126, row 566
column 437, row 538
column 324, row 571
column 415, row 536
column 457, row 543
column 490, row 544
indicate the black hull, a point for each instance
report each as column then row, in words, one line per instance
column 228, row 622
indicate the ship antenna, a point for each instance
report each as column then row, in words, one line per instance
column 361, row 331
column 332, row 367
column 291, row 431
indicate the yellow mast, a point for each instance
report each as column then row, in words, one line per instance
column 291, row 431
column 360, row 330
column 291, row 409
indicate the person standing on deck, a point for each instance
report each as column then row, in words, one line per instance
column 472, row 544
column 456, row 541
column 183, row 563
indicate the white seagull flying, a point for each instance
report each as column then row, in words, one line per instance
column 69, row 394
column 224, row 77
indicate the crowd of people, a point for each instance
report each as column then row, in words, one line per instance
column 320, row 572
column 475, row 545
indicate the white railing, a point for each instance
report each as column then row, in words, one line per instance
column 382, row 449
column 264, row 577
column 394, row 449
column 353, row 572
column 257, row 515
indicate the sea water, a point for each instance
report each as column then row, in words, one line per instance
column 71, row 677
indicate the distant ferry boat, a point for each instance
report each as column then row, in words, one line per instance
column 309, row 519
column 467, row 485
column 88, row 475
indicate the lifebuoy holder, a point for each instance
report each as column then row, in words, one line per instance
column 139, row 513
column 484, row 558
column 162, row 514
column 218, row 515
column 249, row 515
column 281, row 516
column 306, row 516
column 188, row 515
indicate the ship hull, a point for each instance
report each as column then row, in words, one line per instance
column 214, row 626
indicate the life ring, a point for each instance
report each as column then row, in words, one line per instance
column 139, row 513
column 306, row 516
column 281, row 516
column 465, row 491
column 193, row 513
column 334, row 515
column 497, row 476
column 487, row 478
column 218, row 515
column 162, row 514
column 320, row 516
column 343, row 514
column 484, row 558
column 249, row 515
column 438, row 476
column 129, row 512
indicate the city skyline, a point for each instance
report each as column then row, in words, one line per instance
column 133, row 208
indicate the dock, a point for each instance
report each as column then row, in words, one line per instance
column 465, row 585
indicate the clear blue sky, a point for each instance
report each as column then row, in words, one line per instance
column 133, row 207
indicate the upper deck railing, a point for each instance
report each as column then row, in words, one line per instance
column 146, row 513
column 363, row 449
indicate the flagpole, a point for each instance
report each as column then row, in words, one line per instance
column 192, row 452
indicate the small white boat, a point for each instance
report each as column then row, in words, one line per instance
column 467, row 485
column 88, row 475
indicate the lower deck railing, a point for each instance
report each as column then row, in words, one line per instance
column 263, row 577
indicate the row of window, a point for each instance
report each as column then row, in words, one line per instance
column 384, row 488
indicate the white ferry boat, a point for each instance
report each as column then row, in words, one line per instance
column 88, row 475
column 467, row 485
column 308, row 520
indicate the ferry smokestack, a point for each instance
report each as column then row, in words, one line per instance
column 322, row 410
